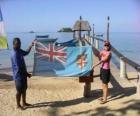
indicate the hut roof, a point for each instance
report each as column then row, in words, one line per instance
column 84, row 25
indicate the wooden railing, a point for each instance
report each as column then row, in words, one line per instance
column 123, row 59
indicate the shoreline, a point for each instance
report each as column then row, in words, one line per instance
column 30, row 68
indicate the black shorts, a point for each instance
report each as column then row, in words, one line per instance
column 105, row 75
column 21, row 85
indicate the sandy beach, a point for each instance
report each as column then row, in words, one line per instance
column 64, row 97
column 57, row 96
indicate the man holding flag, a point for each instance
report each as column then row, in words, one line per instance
column 20, row 73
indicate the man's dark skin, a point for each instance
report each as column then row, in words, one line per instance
column 17, row 46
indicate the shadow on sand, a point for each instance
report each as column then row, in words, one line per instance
column 5, row 77
column 134, row 105
column 117, row 92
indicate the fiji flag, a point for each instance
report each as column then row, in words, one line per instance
column 52, row 60
column 3, row 40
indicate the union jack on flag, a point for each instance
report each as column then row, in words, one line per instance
column 51, row 52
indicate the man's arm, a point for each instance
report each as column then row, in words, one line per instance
column 28, row 50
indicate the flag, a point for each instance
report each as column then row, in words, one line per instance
column 52, row 60
column 3, row 40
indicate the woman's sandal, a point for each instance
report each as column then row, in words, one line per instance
column 101, row 99
column 103, row 102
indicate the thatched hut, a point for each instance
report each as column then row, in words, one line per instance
column 81, row 27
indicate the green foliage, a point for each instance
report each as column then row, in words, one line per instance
column 66, row 29
column 3, row 42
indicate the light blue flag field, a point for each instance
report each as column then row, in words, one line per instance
column 62, row 61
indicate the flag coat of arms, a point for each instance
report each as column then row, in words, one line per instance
column 52, row 60
column 3, row 40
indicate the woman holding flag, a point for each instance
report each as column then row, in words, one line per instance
column 105, row 57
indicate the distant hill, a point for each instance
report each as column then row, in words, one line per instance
column 65, row 29
column 31, row 32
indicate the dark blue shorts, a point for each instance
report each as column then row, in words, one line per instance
column 105, row 75
column 21, row 85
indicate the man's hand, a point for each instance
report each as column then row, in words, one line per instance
column 34, row 42
column 29, row 75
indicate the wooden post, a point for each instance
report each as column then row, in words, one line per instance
column 123, row 73
column 91, row 40
column 96, row 43
column 87, row 89
column 74, row 35
column 88, row 33
column 93, row 34
column 35, row 42
column 80, row 27
column 86, row 37
column 108, row 18
column 87, row 80
column 80, row 41
column 138, row 83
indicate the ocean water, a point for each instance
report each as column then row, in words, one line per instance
column 126, row 43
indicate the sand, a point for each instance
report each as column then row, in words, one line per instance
column 64, row 97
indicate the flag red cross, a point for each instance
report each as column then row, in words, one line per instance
column 51, row 51
column 81, row 61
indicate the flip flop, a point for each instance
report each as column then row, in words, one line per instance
column 101, row 99
column 103, row 102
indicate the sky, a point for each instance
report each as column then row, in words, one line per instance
column 51, row 15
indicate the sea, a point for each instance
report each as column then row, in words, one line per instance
column 128, row 43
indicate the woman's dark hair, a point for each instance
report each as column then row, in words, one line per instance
column 109, row 49
column 107, row 43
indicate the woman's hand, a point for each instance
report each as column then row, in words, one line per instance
column 93, row 67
